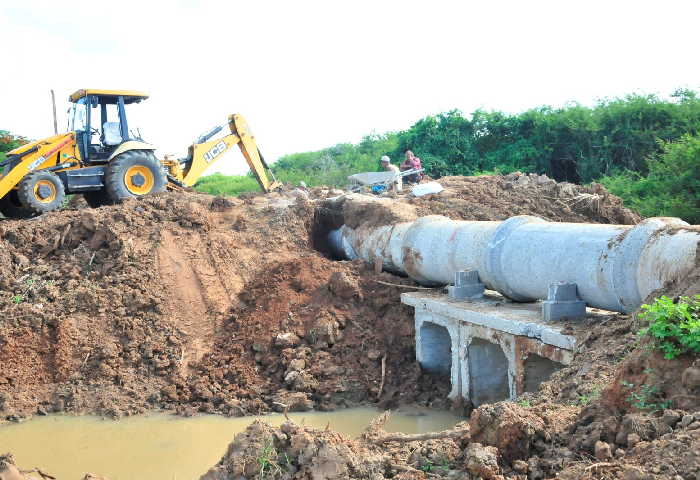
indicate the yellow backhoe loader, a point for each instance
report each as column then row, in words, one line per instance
column 106, row 162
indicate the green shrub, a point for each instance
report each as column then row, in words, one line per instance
column 673, row 326
column 672, row 188
column 646, row 397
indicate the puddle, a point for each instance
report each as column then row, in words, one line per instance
column 165, row 447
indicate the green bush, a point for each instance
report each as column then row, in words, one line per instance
column 673, row 326
column 672, row 187
column 229, row 185
column 331, row 166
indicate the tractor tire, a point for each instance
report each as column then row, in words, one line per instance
column 134, row 174
column 11, row 208
column 98, row 198
column 41, row 192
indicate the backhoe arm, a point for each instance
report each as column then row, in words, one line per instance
column 204, row 153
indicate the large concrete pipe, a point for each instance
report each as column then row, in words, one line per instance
column 614, row 266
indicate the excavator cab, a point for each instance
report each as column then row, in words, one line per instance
column 99, row 120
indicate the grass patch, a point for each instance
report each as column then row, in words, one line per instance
column 646, row 397
column 227, row 185
column 268, row 462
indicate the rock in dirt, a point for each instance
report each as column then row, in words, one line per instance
column 639, row 426
column 8, row 469
column 292, row 401
column 287, row 340
column 691, row 379
column 344, row 286
column 602, row 450
column 671, row 417
column 630, row 472
column 520, row 466
column 482, row 461
column 324, row 331
column 686, row 420
column 509, row 427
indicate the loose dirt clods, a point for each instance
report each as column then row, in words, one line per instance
column 191, row 303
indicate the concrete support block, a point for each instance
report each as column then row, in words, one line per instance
column 563, row 303
column 467, row 286
column 492, row 350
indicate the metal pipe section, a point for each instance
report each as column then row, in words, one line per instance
column 615, row 267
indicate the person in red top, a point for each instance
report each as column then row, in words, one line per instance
column 410, row 163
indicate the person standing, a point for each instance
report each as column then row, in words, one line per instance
column 389, row 167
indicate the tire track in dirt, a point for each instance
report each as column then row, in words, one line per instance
column 196, row 295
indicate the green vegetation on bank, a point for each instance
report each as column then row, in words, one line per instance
column 231, row 185
column 574, row 143
column 330, row 166
column 674, row 325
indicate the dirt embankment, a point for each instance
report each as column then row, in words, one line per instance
column 191, row 303
column 499, row 197
column 194, row 303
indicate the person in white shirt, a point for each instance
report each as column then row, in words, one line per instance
column 387, row 165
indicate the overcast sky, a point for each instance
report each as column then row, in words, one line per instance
column 310, row 74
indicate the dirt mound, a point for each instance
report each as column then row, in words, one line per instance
column 484, row 198
column 102, row 309
column 374, row 211
column 513, row 429
column 176, row 301
column 498, row 197
column 297, row 451
column 299, row 328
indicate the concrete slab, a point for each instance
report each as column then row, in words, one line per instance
column 494, row 311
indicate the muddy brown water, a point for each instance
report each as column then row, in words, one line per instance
column 165, row 447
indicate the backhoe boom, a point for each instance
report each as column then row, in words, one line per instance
column 205, row 153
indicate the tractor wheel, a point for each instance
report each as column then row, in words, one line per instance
column 98, row 198
column 41, row 192
column 133, row 174
column 11, row 208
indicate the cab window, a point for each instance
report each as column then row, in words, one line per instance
column 79, row 115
